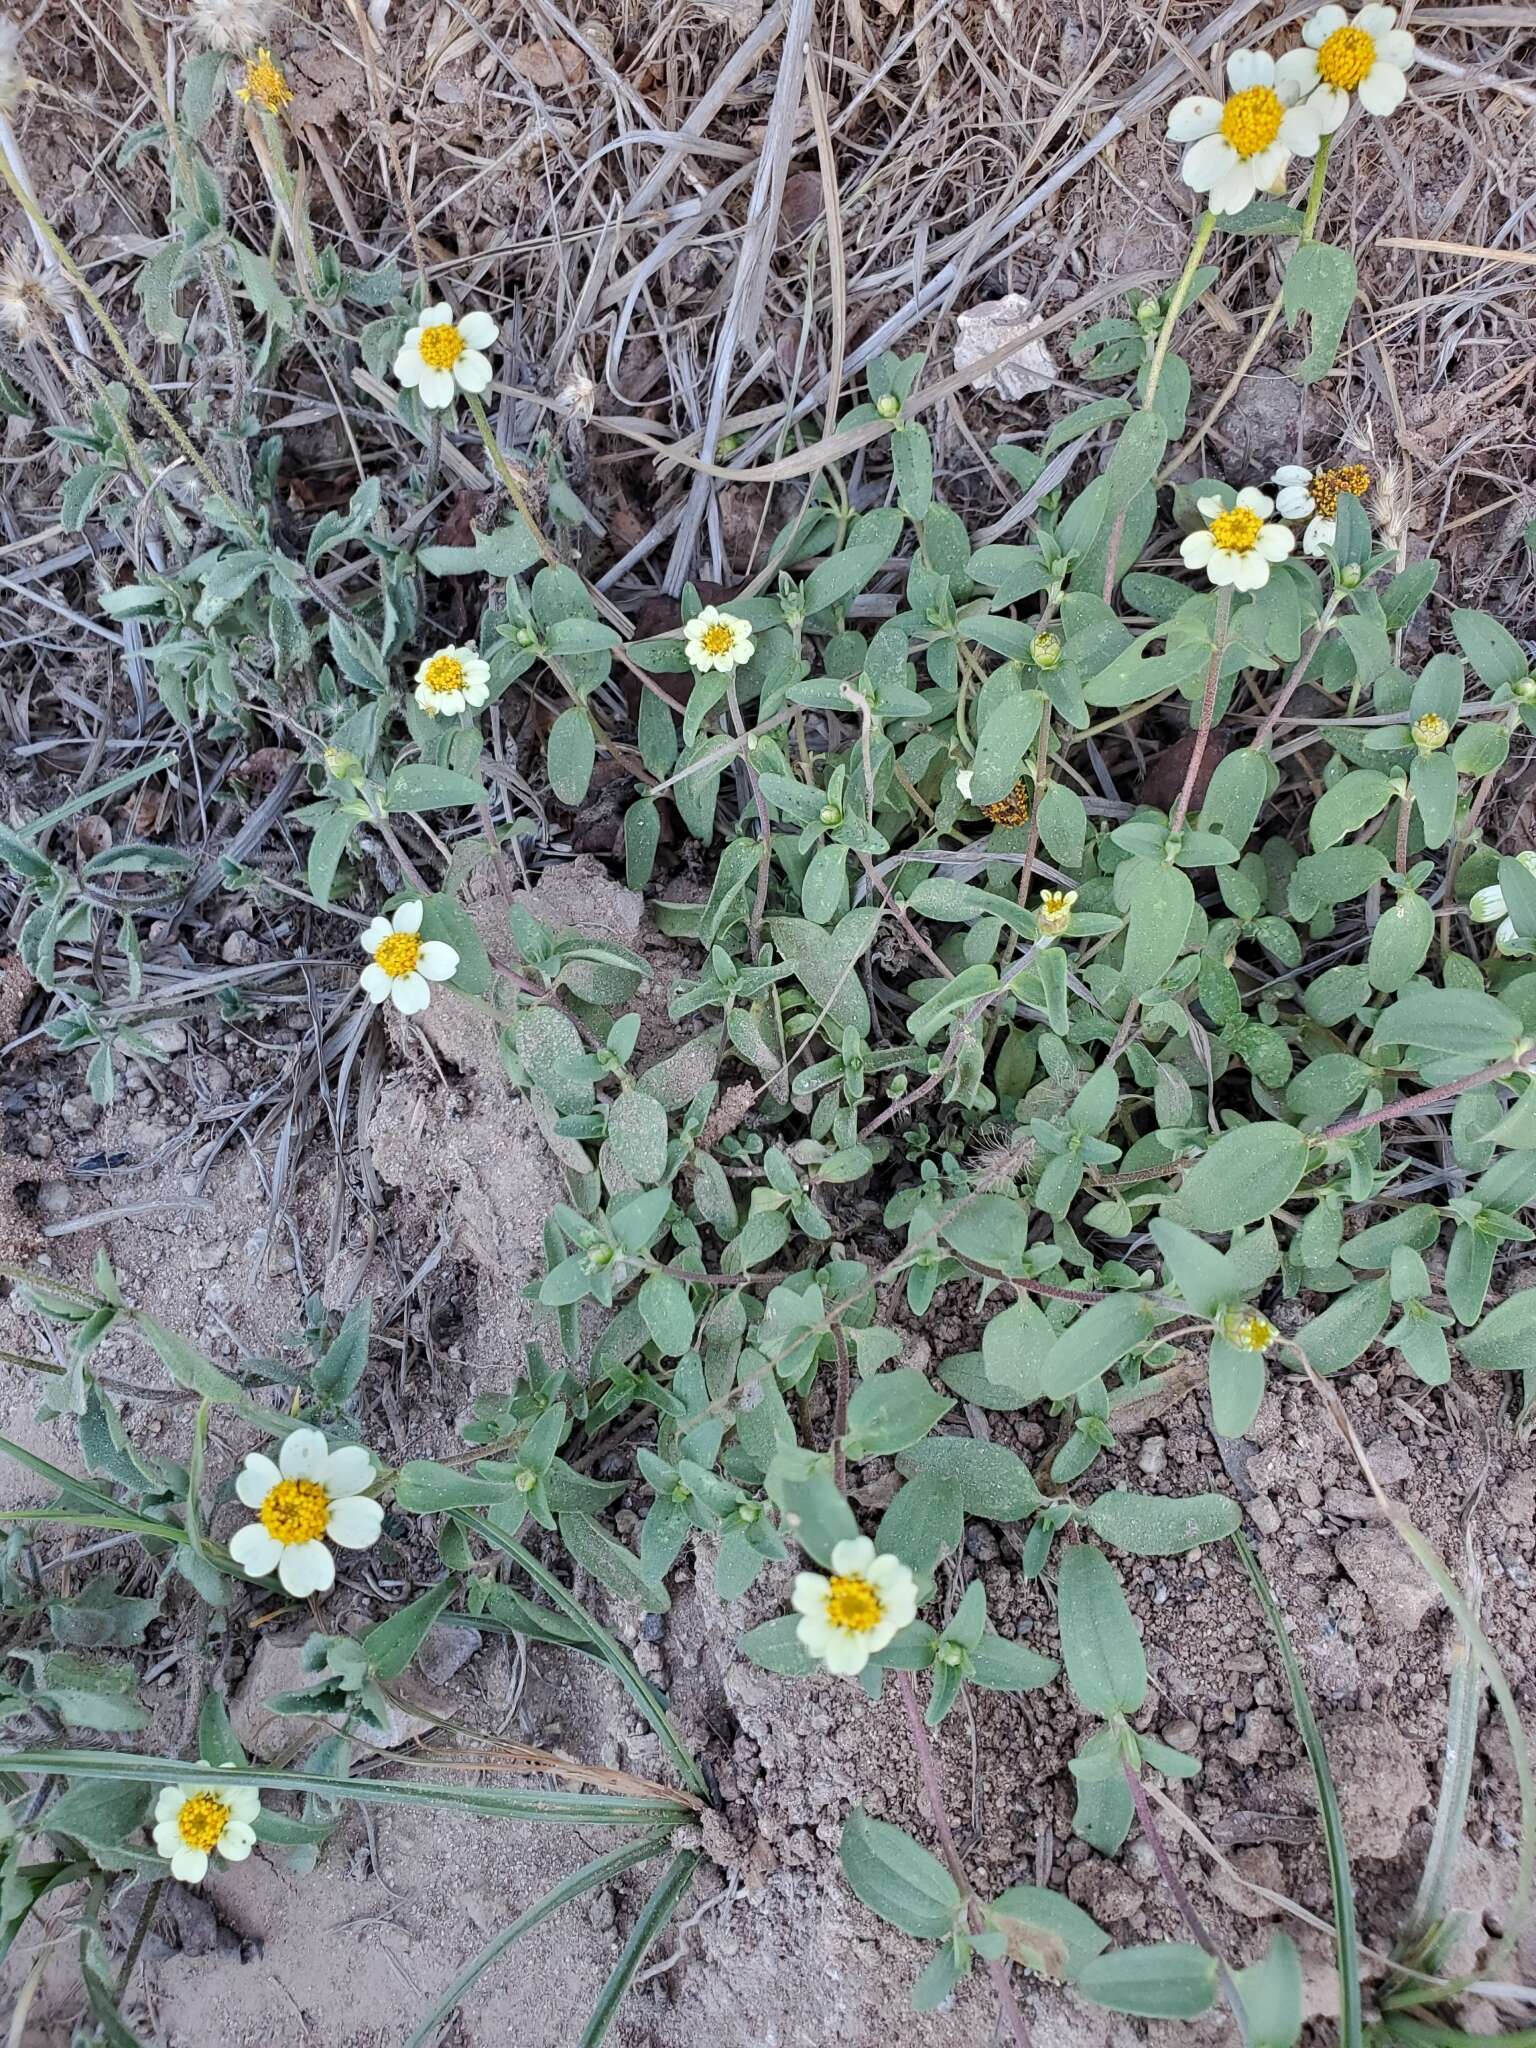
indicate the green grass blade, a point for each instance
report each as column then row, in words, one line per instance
column 550, row 1808
column 599, row 1871
column 645, row 1696
column 1466, row 1694
column 1350, row 2019
column 654, row 1915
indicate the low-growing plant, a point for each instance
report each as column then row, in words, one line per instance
column 1118, row 1073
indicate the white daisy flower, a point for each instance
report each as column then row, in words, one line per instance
column 310, row 1493
column 717, row 640
column 404, row 965
column 1314, row 495
column 453, row 679
column 1368, row 56
column 1236, row 545
column 191, row 1821
column 1240, row 146
column 845, row 1619
column 441, row 355
column 1488, row 905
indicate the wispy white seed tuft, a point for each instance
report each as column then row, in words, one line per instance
column 237, row 25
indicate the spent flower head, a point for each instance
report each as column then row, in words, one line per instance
column 237, row 25
column 312, row 1495
column 34, row 295
column 1237, row 545
column 265, row 86
column 454, row 679
column 1313, row 495
column 442, row 355
column 846, row 1618
column 1241, row 146
column 402, row 964
column 717, row 640
column 194, row 1821
column 1368, row 58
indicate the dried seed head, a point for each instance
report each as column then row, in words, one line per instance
column 34, row 296
column 236, row 25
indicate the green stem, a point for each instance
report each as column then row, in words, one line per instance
column 1207, row 711
column 1315, row 188
column 1176, row 306
column 510, row 481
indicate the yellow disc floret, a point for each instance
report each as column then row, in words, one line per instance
column 202, row 1820
column 1012, row 809
column 1055, row 912
column 1246, row 1330
column 1430, row 732
column 398, row 955
column 717, row 639
column 853, row 1604
column 1328, row 484
column 265, row 84
column 296, row 1510
column 1237, row 530
column 444, row 673
column 441, row 346
column 1251, row 120
column 1346, row 57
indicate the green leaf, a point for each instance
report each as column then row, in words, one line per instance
column 1160, row 902
column 667, row 1313
column 1046, row 1932
column 637, row 1131
column 418, row 786
column 1463, row 1021
column 1247, row 1174
column 1271, row 1992
column 775, row 1646
column 989, row 1479
column 1353, row 801
column 1165, row 1980
column 506, row 552
column 571, row 755
column 326, row 847
column 1001, row 746
column 390, row 1645
column 1347, row 1327
column 1099, row 1339
column 1151, row 1526
column 826, row 962
column 1106, row 1666
column 1320, row 281
column 338, row 1373
column 891, row 1411
column 1505, row 1340
column 1492, row 650
column 897, row 1878
column 1400, row 943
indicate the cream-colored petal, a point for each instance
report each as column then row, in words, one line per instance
column 243, row 1801
column 476, row 694
column 1254, row 500
column 407, row 916
column 472, row 372
column 1293, row 501
column 1376, row 20
column 479, row 330
column 190, row 1865
column 1487, row 905
column 166, row 1837
column 1300, row 135
column 1233, row 190
column 427, row 699
column 303, row 1455
column 440, row 315
column 348, row 1470
column 172, row 1798
column 375, row 933
column 1275, row 542
column 410, row 994
column 438, row 962
column 355, row 1523
column 1246, row 68
column 1322, row 25
column 1296, row 74
column 1383, row 89
column 256, row 1478
column 1396, row 47
column 476, row 670
column 1330, row 104
column 1206, row 161
column 1210, row 507
column 1222, row 567
column 1250, row 571
column 435, row 388
column 809, row 1593
column 846, row 1655
column 409, row 368
column 375, row 983
column 237, row 1841
column 306, row 1568
column 1190, row 119
column 1196, row 549
column 1320, row 534
column 855, row 1554
column 255, row 1551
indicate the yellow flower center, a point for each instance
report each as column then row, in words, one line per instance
column 1430, row 732
column 441, row 346
column 1251, row 119
column 1012, row 809
column 854, row 1605
column 398, row 955
column 297, row 1510
column 1057, row 902
column 1247, row 1330
column 1346, row 57
column 1237, row 530
column 717, row 639
column 1328, row 484
column 265, row 84
column 202, row 1820
column 445, row 672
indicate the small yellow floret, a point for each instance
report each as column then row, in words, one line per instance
column 1346, row 57
column 441, row 346
column 854, row 1605
column 397, row 956
column 297, row 1510
column 1251, row 120
column 717, row 639
column 1430, row 732
column 1328, row 484
column 202, row 1820
column 265, row 84
column 444, row 673
column 1236, row 531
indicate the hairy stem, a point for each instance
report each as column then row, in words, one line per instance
column 1176, row 307
column 1207, row 711
column 1188, row 1911
column 1426, row 1099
